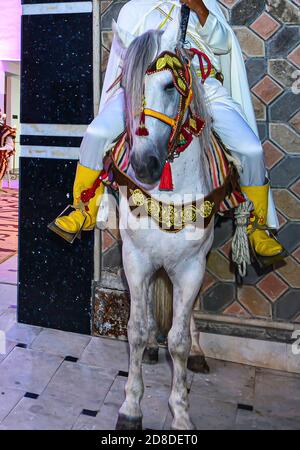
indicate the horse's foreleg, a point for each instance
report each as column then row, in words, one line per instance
column 151, row 351
column 130, row 414
column 196, row 361
column 186, row 287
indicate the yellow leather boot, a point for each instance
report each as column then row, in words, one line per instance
column 83, row 218
column 262, row 243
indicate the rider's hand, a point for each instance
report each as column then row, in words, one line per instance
column 199, row 7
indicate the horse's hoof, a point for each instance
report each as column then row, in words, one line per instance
column 183, row 425
column 128, row 423
column 150, row 355
column 197, row 364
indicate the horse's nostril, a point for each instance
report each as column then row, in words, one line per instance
column 153, row 164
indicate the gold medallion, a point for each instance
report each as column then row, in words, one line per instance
column 206, row 208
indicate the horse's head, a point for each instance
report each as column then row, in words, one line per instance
column 157, row 82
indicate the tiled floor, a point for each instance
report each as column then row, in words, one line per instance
column 51, row 379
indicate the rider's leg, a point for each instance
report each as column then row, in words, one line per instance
column 245, row 145
column 99, row 135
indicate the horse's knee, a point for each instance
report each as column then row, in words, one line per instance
column 179, row 343
column 137, row 333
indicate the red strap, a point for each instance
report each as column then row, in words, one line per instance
column 201, row 56
column 89, row 193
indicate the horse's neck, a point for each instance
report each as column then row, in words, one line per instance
column 189, row 171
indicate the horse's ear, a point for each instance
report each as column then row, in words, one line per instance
column 123, row 37
column 171, row 35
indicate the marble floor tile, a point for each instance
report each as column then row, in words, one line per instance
column 60, row 343
column 208, row 414
column 23, row 333
column 107, row 354
column 28, row 370
column 9, row 271
column 154, row 407
column 107, row 417
column 43, row 413
column 9, row 345
column 8, row 320
column 8, row 400
column 81, row 385
column 8, row 296
column 247, row 420
column 211, row 414
column 277, row 395
column 229, row 382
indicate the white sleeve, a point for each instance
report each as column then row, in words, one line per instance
column 113, row 70
column 215, row 34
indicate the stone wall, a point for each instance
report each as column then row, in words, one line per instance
column 269, row 37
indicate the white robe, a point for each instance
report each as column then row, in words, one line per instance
column 232, row 63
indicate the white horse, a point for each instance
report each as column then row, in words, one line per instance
column 148, row 248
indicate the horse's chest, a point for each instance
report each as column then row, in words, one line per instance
column 162, row 247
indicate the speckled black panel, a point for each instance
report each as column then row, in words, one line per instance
column 54, row 276
column 57, row 69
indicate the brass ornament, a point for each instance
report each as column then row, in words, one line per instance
column 206, row 208
column 169, row 215
column 138, row 197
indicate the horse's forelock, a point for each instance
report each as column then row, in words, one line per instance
column 139, row 55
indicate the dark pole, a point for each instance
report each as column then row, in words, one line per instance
column 185, row 14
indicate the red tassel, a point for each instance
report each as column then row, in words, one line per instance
column 142, row 130
column 166, row 182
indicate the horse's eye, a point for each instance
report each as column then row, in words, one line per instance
column 169, row 86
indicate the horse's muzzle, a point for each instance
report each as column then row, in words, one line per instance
column 147, row 168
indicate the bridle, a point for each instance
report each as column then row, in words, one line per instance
column 180, row 68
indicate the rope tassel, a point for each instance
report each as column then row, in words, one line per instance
column 142, row 129
column 240, row 241
column 166, row 181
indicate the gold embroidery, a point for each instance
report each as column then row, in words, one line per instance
column 206, row 208
column 181, row 84
column 161, row 63
column 138, row 197
column 171, row 215
column 193, row 123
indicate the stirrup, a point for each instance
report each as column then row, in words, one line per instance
column 69, row 237
column 266, row 261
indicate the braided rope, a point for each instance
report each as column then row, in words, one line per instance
column 240, row 241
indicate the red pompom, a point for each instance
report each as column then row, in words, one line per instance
column 142, row 129
column 166, row 182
